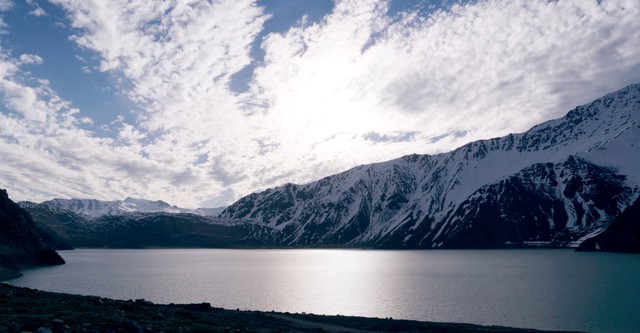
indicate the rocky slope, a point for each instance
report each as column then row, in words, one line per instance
column 552, row 185
column 20, row 243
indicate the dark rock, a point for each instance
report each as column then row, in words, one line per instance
column 20, row 243
column 518, row 209
column 130, row 326
column 622, row 235
column 31, row 326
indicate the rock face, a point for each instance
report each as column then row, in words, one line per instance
column 552, row 185
column 20, row 243
column 623, row 235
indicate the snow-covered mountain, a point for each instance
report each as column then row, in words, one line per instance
column 140, row 230
column 553, row 184
column 97, row 208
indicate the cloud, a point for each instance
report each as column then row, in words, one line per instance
column 392, row 137
column 178, row 59
column 5, row 5
column 338, row 88
column 360, row 85
column 31, row 59
column 38, row 11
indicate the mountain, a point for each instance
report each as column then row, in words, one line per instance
column 63, row 227
column 141, row 230
column 20, row 243
column 98, row 208
column 623, row 235
column 553, row 185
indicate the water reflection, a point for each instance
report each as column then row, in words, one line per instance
column 546, row 289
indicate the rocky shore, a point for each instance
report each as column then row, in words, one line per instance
column 28, row 310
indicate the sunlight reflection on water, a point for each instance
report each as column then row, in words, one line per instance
column 545, row 289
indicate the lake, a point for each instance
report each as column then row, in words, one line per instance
column 543, row 289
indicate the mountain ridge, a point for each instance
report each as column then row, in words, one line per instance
column 558, row 184
column 97, row 208
column 419, row 193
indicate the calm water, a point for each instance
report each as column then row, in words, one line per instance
column 544, row 289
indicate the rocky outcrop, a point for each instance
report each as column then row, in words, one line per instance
column 622, row 235
column 551, row 204
column 20, row 243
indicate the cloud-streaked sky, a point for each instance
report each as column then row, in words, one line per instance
column 201, row 102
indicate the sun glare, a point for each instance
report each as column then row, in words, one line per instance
column 322, row 102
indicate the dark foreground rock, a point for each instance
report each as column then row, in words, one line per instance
column 21, row 245
column 28, row 310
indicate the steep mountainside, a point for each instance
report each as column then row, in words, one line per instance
column 623, row 235
column 20, row 243
column 551, row 185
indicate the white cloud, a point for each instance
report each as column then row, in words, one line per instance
column 357, row 87
column 38, row 11
column 44, row 152
column 361, row 87
column 31, row 59
column 5, row 5
column 178, row 57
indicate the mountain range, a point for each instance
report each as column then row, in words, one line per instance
column 98, row 208
column 553, row 185
column 560, row 184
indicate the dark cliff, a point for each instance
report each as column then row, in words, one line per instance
column 622, row 235
column 20, row 243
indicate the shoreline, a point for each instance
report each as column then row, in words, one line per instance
column 28, row 310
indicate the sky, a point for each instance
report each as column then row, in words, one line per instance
column 200, row 102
